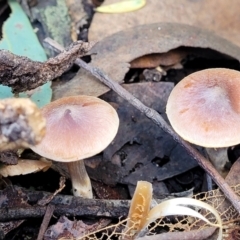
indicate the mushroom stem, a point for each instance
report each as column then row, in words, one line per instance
column 81, row 183
column 219, row 158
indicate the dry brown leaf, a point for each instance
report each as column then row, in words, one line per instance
column 233, row 177
column 114, row 53
column 9, row 157
column 104, row 191
column 24, row 167
column 221, row 17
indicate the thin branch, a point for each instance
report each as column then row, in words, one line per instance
column 65, row 205
column 157, row 119
column 46, row 221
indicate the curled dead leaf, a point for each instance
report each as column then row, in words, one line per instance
column 164, row 59
column 114, row 54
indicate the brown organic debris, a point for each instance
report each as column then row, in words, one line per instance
column 67, row 229
column 23, row 74
column 21, row 124
column 164, row 59
column 78, row 16
column 11, row 197
column 9, row 157
column 104, row 191
column 45, row 200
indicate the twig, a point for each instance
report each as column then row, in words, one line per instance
column 45, row 201
column 66, row 205
column 157, row 119
column 46, row 220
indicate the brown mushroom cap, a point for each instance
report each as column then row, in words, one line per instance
column 204, row 108
column 76, row 128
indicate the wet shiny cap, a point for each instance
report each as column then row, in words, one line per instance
column 204, row 108
column 77, row 127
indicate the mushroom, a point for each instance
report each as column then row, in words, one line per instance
column 204, row 109
column 77, row 127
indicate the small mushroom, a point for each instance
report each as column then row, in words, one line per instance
column 24, row 166
column 77, row 127
column 204, row 109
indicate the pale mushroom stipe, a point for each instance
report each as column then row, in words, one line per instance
column 77, row 127
column 204, row 108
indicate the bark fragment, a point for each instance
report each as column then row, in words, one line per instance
column 23, row 74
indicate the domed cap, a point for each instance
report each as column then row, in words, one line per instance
column 204, row 108
column 77, row 127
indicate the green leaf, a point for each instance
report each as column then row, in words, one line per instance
column 20, row 39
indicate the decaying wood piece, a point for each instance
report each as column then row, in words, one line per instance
column 64, row 205
column 23, row 74
column 21, row 123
